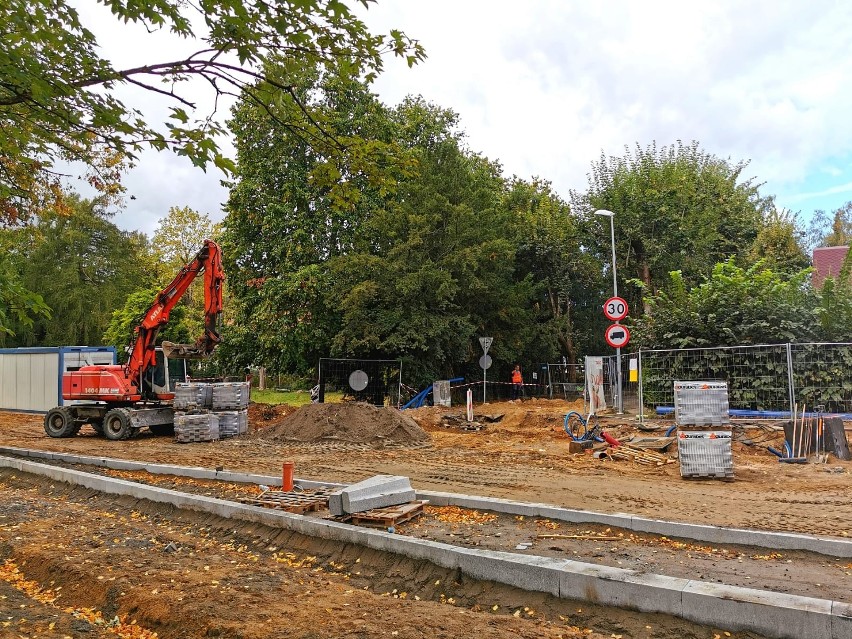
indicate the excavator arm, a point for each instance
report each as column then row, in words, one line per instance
column 142, row 352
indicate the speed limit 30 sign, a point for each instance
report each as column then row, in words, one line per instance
column 617, row 335
column 615, row 309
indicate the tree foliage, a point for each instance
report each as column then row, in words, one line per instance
column 676, row 208
column 58, row 93
column 119, row 332
column 83, row 267
column 19, row 307
column 552, row 250
column 442, row 267
column 753, row 305
column 779, row 242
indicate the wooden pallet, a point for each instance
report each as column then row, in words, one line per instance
column 639, row 456
column 390, row 516
column 291, row 502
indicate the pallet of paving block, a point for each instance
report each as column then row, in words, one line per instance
column 390, row 516
column 298, row 503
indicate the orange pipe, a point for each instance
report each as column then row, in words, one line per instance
column 287, row 477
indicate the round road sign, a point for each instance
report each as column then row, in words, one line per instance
column 615, row 309
column 358, row 380
column 485, row 362
column 617, row 335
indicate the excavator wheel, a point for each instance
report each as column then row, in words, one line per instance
column 117, row 424
column 98, row 426
column 59, row 422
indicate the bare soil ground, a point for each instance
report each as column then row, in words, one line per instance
column 76, row 563
column 226, row 582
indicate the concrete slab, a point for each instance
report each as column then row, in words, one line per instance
column 379, row 491
column 612, row 586
column 769, row 613
column 335, row 504
column 528, row 572
column 841, row 620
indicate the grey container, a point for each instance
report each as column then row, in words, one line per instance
column 230, row 395
column 232, row 423
column 705, row 453
column 195, row 427
column 192, row 396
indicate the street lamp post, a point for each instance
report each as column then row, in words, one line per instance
column 618, row 400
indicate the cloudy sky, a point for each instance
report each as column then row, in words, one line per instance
column 547, row 86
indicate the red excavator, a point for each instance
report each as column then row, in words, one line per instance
column 119, row 400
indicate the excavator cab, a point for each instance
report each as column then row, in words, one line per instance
column 160, row 378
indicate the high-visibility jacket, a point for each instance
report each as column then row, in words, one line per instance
column 516, row 377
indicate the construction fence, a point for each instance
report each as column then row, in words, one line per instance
column 767, row 380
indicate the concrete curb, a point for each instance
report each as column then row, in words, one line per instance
column 772, row 614
column 830, row 546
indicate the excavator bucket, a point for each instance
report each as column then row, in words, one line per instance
column 183, row 351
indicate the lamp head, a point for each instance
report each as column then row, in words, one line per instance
column 605, row 213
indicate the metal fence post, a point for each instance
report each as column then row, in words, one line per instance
column 641, row 403
column 791, row 384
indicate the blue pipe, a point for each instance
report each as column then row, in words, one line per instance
column 766, row 414
column 418, row 400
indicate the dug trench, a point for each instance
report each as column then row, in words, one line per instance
column 183, row 574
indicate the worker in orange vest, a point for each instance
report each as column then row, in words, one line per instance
column 517, row 383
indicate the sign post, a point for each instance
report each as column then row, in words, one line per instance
column 485, row 360
column 617, row 335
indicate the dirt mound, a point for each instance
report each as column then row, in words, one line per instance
column 348, row 422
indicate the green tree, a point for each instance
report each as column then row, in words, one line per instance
column 119, row 331
column 841, row 227
column 179, row 235
column 779, row 242
column 551, row 249
column 835, row 305
column 733, row 306
column 835, row 230
column 441, row 268
column 18, row 305
column 676, row 208
column 58, row 93
column 287, row 215
column 84, row 267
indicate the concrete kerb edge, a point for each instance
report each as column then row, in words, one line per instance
column 831, row 547
column 745, row 609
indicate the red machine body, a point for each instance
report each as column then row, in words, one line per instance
column 113, row 383
column 121, row 399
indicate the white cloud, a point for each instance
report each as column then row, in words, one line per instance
column 545, row 86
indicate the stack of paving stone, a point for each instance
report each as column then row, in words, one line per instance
column 227, row 402
column 230, row 396
column 704, row 431
column 192, row 396
column 701, row 403
column 196, row 427
column 232, row 423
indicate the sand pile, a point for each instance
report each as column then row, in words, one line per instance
column 348, row 422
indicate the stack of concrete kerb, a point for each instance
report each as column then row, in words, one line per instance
column 224, row 406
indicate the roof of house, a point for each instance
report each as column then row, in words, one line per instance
column 827, row 262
